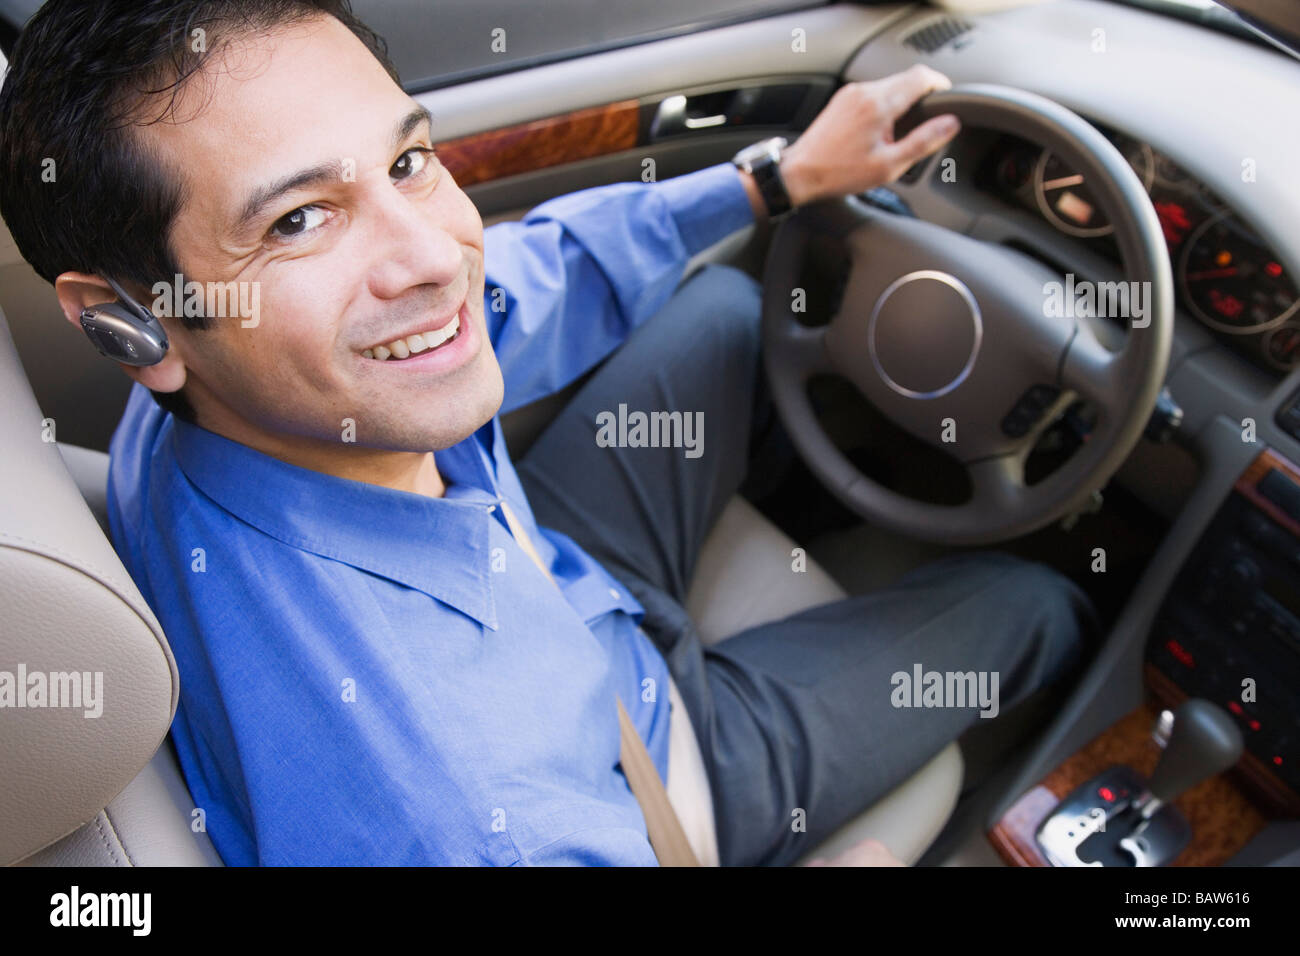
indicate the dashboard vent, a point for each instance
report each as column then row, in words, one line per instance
column 936, row 34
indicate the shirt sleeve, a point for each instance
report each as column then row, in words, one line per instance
column 567, row 284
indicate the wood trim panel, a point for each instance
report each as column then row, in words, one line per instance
column 1223, row 819
column 1265, row 462
column 552, row 141
column 1013, row 836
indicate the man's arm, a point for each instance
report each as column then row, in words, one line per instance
column 568, row 283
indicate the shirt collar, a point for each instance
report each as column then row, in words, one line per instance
column 436, row 545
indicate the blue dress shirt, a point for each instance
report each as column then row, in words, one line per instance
column 372, row 676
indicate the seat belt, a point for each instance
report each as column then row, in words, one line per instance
column 667, row 838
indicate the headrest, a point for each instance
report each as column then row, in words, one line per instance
column 88, row 685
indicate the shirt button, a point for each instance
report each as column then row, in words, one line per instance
column 491, row 508
column 614, row 594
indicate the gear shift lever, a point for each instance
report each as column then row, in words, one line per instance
column 1144, row 830
column 1204, row 740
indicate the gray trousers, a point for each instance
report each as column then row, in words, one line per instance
column 799, row 714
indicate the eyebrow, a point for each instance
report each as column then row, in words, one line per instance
column 262, row 197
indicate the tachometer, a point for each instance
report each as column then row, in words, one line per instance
column 1065, row 199
column 1231, row 281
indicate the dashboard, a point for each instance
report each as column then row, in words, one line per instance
column 1205, row 121
column 1225, row 273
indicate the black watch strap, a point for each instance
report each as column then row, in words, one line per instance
column 762, row 160
column 767, row 175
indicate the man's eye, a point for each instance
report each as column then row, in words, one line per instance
column 412, row 162
column 299, row 222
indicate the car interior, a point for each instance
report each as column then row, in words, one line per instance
column 1103, row 141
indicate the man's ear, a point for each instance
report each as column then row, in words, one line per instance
column 80, row 290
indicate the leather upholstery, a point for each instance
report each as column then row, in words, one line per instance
column 69, row 606
column 150, row 823
column 688, row 783
column 743, row 576
column 909, row 817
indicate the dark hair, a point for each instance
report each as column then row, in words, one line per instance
column 78, row 190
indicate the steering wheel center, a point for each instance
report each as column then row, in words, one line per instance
column 924, row 333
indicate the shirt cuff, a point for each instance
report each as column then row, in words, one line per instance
column 707, row 205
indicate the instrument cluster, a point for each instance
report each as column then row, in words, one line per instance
column 1225, row 273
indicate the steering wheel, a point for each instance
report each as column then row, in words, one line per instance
column 959, row 342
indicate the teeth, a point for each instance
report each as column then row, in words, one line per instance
column 434, row 339
column 414, row 344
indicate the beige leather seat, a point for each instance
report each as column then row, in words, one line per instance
column 743, row 578
column 107, row 790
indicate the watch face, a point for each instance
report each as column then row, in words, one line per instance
column 755, row 152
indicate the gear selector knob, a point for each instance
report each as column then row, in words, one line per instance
column 1204, row 741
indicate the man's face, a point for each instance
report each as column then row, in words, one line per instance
column 373, row 242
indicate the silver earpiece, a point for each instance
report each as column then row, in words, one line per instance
column 125, row 331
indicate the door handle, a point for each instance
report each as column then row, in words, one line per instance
column 674, row 114
column 704, row 122
column 775, row 106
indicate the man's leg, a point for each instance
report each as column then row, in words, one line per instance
column 645, row 512
column 794, row 718
column 811, row 725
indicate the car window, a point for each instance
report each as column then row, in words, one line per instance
column 436, row 44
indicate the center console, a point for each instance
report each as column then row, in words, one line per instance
column 1222, row 678
column 1229, row 630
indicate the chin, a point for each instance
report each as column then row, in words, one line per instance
column 474, row 408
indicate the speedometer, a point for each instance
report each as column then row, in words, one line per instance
column 1065, row 198
column 1231, row 281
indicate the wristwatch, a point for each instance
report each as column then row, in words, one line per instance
column 762, row 160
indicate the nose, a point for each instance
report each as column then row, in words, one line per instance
column 409, row 246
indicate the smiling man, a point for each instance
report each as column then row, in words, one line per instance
column 393, row 647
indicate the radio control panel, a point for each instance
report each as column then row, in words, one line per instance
column 1229, row 629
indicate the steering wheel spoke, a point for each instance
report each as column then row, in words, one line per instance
column 1094, row 373
column 998, row 484
column 803, row 350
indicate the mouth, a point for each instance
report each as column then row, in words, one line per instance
column 432, row 339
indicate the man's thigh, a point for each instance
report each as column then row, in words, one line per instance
column 645, row 511
column 815, row 717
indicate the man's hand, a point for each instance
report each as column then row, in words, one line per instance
column 866, row 853
column 849, row 148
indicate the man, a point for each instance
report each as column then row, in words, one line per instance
column 318, row 503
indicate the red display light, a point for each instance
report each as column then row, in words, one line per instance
column 1181, row 653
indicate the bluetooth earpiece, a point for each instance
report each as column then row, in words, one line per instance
column 125, row 331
